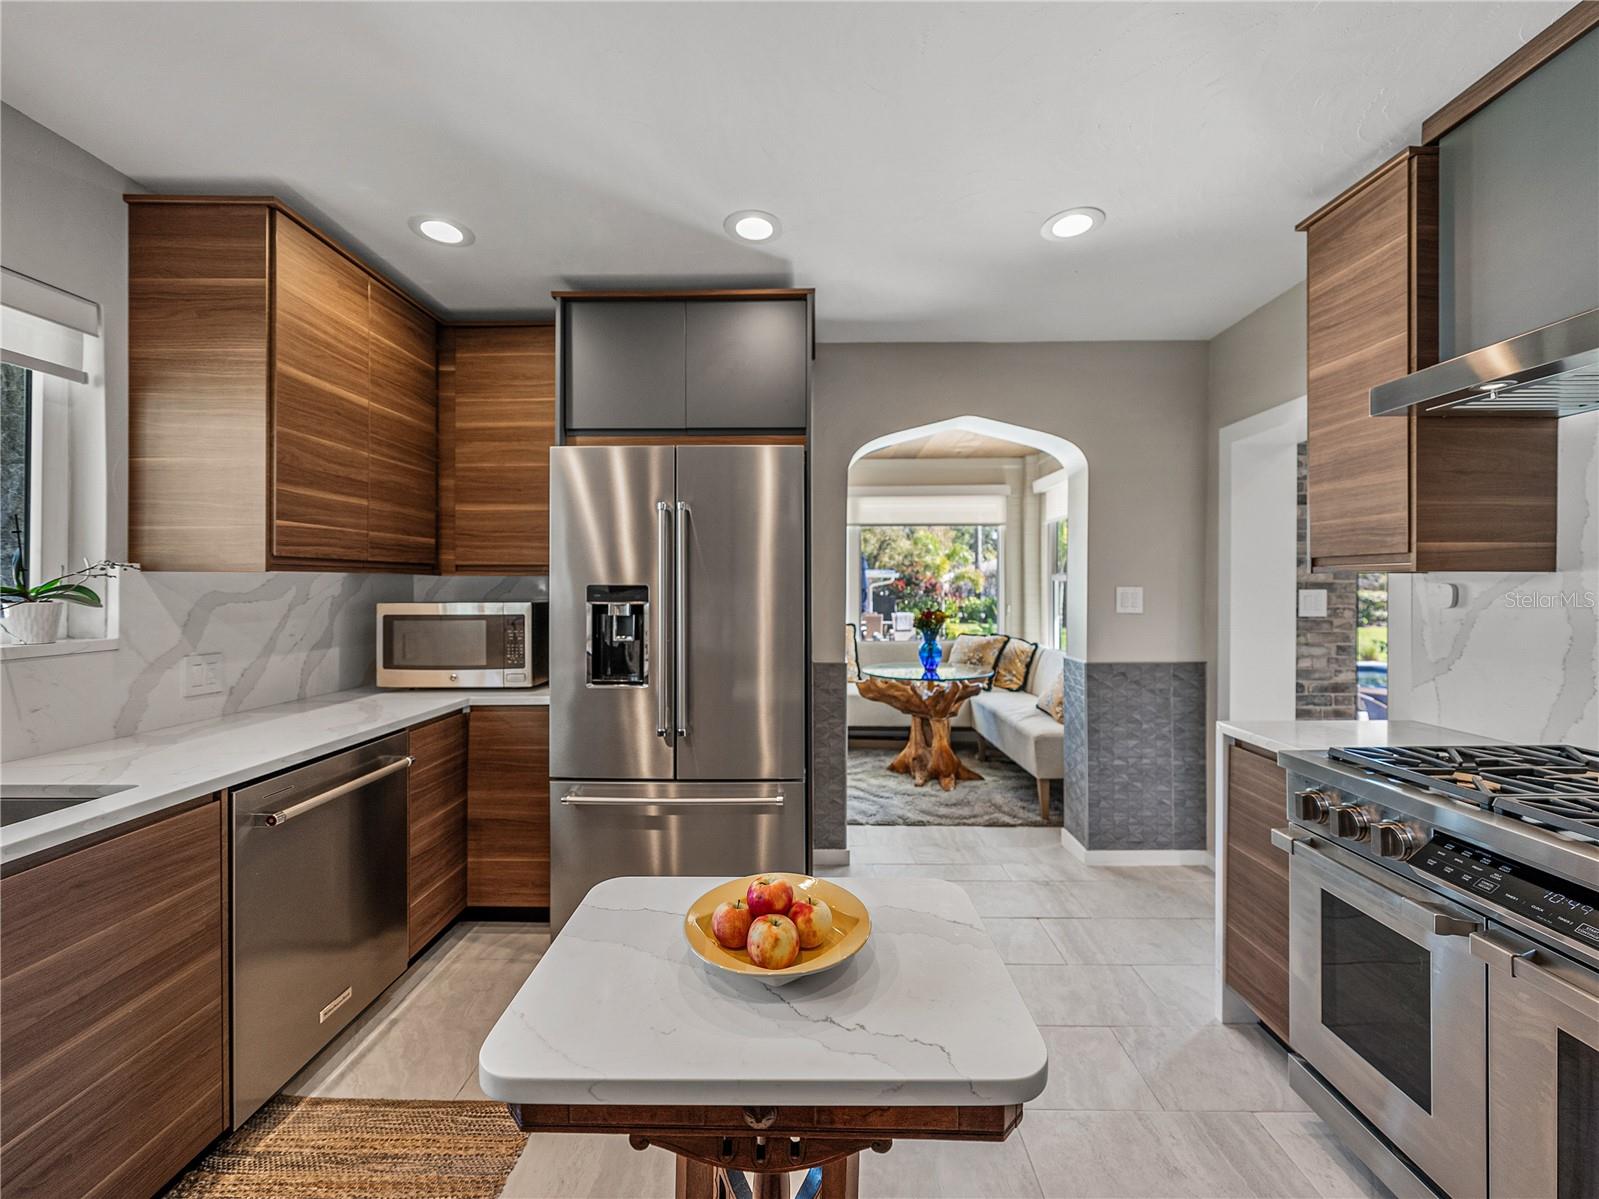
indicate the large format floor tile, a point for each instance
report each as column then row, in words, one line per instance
column 578, row 1166
column 1023, row 899
column 1112, row 941
column 980, row 1170
column 1215, row 1067
column 1099, row 996
column 1331, row 1169
column 1090, row 1071
column 1022, row 942
column 1199, row 1155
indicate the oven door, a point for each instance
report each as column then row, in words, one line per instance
column 1386, row 1001
column 1543, row 1070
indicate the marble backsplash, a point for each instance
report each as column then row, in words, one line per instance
column 1514, row 656
column 281, row 637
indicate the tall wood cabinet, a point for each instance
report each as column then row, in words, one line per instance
column 508, row 807
column 113, row 1011
column 1408, row 492
column 282, row 403
column 1255, row 908
column 497, row 424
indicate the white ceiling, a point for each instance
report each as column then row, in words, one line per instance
column 955, row 443
column 912, row 151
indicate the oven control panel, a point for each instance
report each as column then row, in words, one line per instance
column 1542, row 898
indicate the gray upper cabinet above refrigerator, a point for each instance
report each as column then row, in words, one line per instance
column 747, row 364
column 625, row 365
column 715, row 362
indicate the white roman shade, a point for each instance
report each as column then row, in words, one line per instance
column 980, row 505
column 43, row 328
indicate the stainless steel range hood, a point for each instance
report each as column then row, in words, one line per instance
column 1553, row 371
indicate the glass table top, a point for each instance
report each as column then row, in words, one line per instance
column 914, row 673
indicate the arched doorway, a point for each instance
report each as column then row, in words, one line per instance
column 984, row 522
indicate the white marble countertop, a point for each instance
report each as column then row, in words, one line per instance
column 1314, row 735
column 174, row 765
column 620, row 1010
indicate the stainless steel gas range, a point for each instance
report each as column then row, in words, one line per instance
column 1444, row 960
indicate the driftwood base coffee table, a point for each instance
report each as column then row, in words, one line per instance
column 931, row 704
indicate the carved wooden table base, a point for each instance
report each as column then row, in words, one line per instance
column 930, row 704
column 768, row 1143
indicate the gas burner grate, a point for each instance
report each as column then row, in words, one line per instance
column 1557, row 785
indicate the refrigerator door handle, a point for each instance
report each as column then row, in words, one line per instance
column 680, row 620
column 576, row 800
column 664, row 727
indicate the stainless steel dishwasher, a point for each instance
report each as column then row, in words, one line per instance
column 319, row 908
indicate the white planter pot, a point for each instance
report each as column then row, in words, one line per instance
column 35, row 623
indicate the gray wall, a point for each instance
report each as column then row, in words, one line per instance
column 1135, row 409
column 1519, row 206
column 281, row 636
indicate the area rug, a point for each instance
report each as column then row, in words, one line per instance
column 1005, row 795
column 361, row 1149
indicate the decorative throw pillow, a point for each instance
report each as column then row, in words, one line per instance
column 852, row 658
column 1053, row 702
column 971, row 649
column 1015, row 660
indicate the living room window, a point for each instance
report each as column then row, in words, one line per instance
column 1055, row 540
column 907, row 567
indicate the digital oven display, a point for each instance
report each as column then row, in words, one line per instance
column 1543, row 898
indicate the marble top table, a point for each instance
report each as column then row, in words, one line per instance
column 621, row 1029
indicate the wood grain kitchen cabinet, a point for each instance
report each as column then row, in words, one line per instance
column 1256, row 901
column 508, row 807
column 436, row 827
column 497, row 424
column 1407, row 492
column 113, row 1012
column 282, row 397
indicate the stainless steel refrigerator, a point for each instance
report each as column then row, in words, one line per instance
column 678, row 663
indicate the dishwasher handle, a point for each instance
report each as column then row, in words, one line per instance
column 283, row 816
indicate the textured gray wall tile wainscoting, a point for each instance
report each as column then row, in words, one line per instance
column 1135, row 755
column 829, row 750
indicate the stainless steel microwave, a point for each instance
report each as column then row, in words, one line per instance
column 463, row 645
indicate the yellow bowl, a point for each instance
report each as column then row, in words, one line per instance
column 851, row 926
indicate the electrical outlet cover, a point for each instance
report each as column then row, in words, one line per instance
column 1313, row 603
column 200, row 674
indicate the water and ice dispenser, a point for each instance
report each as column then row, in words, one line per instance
column 618, row 636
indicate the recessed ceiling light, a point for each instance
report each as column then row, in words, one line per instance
column 1074, row 222
column 446, row 233
column 751, row 224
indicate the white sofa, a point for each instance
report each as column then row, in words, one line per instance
column 1006, row 720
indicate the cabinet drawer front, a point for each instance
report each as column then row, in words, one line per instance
column 319, row 406
column 111, row 1011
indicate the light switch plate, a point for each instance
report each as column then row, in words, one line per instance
column 200, row 674
column 1313, row 603
column 1130, row 601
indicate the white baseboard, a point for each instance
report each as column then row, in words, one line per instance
column 1133, row 857
column 829, row 857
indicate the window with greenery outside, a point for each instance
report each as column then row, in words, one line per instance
column 908, row 568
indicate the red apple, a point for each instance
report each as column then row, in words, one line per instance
column 773, row 942
column 730, row 924
column 813, row 919
column 769, row 895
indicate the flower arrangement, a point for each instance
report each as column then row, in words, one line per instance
column 930, row 620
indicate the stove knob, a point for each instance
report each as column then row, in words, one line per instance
column 1352, row 821
column 1314, row 805
column 1396, row 839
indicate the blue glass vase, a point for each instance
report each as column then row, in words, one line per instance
column 931, row 654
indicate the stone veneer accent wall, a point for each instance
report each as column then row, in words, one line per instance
column 1135, row 755
column 1324, row 677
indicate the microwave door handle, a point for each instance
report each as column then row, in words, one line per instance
column 680, row 619
column 664, row 727
column 1518, row 959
